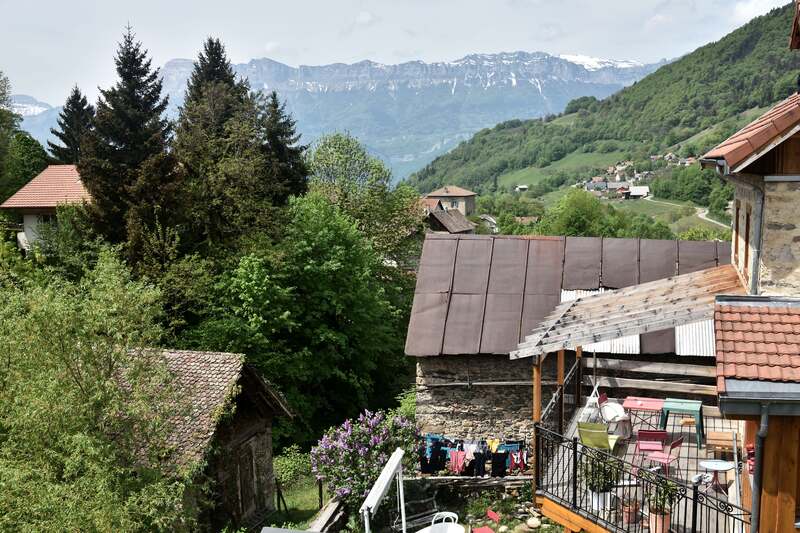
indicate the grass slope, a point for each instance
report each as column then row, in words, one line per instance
column 574, row 161
column 704, row 96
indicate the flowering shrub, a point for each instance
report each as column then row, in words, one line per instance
column 350, row 457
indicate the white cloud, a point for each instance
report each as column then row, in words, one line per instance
column 744, row 10
column 656, row 21
column 364, row 18
column 271, row 46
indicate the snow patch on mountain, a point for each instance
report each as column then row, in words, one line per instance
column 597, row 63
column 27, row 106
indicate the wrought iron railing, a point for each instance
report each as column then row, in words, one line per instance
column 624, row 497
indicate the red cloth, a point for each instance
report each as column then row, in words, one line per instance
column 483, row 529
column 491, row 515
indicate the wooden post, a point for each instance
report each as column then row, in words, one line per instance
column 578, row 376
column 537, row 390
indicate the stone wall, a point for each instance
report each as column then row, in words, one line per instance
column 479, row 411
column 780, row 255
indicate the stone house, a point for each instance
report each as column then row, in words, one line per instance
column 477, row 297
column 228, row 423
column 37, row 200
column 454, row 197
column 762, row 161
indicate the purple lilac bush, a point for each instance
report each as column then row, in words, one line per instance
column 349, row 457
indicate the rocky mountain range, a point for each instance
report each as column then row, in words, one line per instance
column 411, row 112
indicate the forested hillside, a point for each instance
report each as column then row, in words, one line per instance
column 689, row 104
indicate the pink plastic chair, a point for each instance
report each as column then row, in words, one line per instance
column 667, row 456
column 650, row 440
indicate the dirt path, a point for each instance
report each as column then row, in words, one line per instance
column 701, row 212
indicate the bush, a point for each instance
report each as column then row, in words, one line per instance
column 291, row 466
column 350, row 457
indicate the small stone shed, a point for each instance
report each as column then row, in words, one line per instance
column 229, row 424
column 477, row 297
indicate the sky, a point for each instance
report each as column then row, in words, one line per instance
column 47, row 46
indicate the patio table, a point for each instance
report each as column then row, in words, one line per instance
column 636, row 404
column 716, row 466
column 689, row 407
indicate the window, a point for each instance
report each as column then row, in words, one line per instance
column 736, row 233
column 454, row 204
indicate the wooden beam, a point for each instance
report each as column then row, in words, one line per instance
column 570, row 520
column 537, row 391
column 649, row 384
column 560, row 368
column 649, row 367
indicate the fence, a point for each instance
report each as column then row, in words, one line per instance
column 624, row 497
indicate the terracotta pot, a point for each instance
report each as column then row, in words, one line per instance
column 630, row 512
column 659, row 523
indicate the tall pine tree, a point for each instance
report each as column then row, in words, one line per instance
column 129, row 128
column 74, row 121
column 286, row 155
column 212, row 66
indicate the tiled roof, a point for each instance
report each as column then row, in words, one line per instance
column 207, row 380
column 759, row 134
column 57, row 184
column 430, row 204
column 480, row 294
column 451, row 190
column 757, row 340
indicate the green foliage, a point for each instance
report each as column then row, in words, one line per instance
column 706, row 89
column 587, row 103
column 8, row 120
column 313, row 315
column 69, row 247
column 705, row 234
column 291, row 466
column 74, row 121
column 129, row 129
column 84, row 412
column 25, row 159
column 579, row 213
column 407, row 404
column 662, row 493
column 600, row 472
column 518, row 205
column 359, row 184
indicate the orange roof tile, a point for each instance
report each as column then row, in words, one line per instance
column 57, row 184
column 451, row 190
column 757, row 340
column 759, row 134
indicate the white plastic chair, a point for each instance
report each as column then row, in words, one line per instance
column 445, row 516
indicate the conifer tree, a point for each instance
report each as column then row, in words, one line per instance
column 289, row 167
column 129, row 128
column 212, row 66
column 74, row 121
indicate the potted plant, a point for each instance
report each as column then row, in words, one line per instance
column 661, row 497
column 600, row 473
column 630, row 509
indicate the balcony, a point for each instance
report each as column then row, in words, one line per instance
column 620, row 490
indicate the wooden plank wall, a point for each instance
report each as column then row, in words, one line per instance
column 780, row 477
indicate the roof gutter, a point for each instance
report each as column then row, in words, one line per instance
column 758, row 472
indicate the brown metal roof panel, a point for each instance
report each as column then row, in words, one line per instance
column 472, row 266
column 426, row 326
column 657, row 259
column 545, row 266
column 535, row 308
column 583, row 256
column 723, row 252
column 462, row 332
column 658, row 342
column 620, row 263
column 696, row 255
column 509, row 259
column 436, row 265
column 501, row 323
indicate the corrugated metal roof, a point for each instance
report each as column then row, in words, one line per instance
column 484, row 294
column 654, row 306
